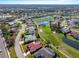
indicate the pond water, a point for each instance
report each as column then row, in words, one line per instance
column 71, row 43
column 44, row 22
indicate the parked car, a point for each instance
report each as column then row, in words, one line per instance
column 0, row 50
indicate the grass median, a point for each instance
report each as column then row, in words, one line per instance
column 12, row 52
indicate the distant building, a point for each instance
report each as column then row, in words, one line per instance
column 75, row 35
column 51, row 22
column 12, row 23
column 31, row 30
column 44, row 52
column 34, row 46
column 13, row 30
column 55, row 25
column 29, row 22
column 8, row 19
column 65, row 30
column 64, row 23
column 74, row 23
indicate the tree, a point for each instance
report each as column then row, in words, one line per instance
column 7, row 35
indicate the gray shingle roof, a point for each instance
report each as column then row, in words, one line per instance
column 44, row 53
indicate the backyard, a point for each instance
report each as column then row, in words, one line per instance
column 56, row 40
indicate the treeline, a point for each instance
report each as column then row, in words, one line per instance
column 7, row 34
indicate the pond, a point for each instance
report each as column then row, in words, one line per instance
column 44, row 22
column 71, row 43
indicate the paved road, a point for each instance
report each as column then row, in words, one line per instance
column 3, row 53
column 17, row 44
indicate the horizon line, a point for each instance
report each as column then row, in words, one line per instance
column 39, row 4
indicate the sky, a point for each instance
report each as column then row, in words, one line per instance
column 39, row 1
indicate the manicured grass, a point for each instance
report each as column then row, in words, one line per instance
column 58, row 52
column 72, row 38
column 29, row 56
column 73, row 52
column 12, row 52
column 56, row 40
column 48, row 36
column 23, row 47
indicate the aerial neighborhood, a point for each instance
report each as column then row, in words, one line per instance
column 42, row 31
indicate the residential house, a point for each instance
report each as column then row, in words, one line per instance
column 74, row 23
column 75, row 35
column 13, row 30
column 34, row 46
column 31, row 30
column 29, row 38
column 65, row 30
column 55, row 25
column 45, row 52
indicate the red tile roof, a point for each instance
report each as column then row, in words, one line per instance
column 34, row 46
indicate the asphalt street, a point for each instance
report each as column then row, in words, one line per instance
column 3, row 49
column 17, row 45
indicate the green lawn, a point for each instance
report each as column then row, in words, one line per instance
column 56, row 40
column 23, row 47
column 49, row 37
column 29, row 56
